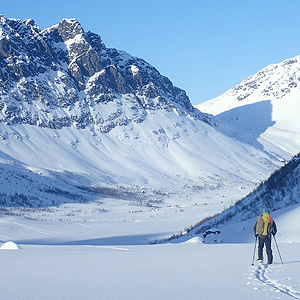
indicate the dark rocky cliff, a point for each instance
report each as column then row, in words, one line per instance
column 62, row 76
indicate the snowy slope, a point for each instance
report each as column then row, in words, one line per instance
column 263, row 109
column 201, row 167
column 98, row 119
column 280, row 193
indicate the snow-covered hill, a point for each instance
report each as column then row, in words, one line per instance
column 263, row 109
column 100, row 120
column 280, row 193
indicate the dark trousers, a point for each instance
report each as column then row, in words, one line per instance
column 265, row 240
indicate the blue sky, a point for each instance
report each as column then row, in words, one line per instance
column 203, row 46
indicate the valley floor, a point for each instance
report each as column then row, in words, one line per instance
column 111, row 259
column 189, row 270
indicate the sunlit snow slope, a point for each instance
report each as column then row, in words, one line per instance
column 99, row 121
column 280, row 194
column 263, row 109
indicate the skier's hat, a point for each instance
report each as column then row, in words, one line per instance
column 267, row 211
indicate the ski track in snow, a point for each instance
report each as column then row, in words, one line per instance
column 262, row 274
column 109, row 247
column 83, row 225
column 39, row 230
column 5, row 237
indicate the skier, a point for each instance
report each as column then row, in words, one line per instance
column 264, row 228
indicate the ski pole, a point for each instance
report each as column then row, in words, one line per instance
column 277, row 249
column 254, row 251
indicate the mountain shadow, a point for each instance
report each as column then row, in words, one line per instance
column 248, row 122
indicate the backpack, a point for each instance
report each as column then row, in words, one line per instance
column 259, row 226
column 263, row 224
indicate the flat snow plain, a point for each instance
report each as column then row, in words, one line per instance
column 82, row 260
column 173, row 271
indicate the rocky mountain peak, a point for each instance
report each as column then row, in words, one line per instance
column 69, row 29
column 273, row 82
column 14, row 27
column 64, row 67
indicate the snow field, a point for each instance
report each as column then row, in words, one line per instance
column 170, row 271
column 278, row 281
column 104, row 260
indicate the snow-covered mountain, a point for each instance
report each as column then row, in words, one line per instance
column 263, row 109
column 75, row 111
column 62, row 77
column 280, row 193
column 115, row 157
